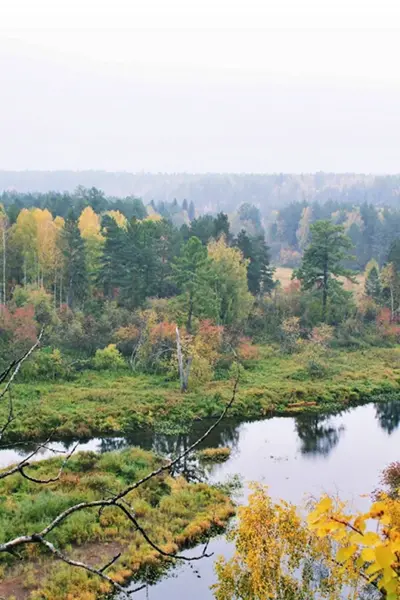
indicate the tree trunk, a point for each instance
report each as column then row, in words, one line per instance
column 4, row 266
column 184, row 369
column 391, row 303
column 325, row 291
column 190, row 314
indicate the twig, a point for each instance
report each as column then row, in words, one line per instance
column 23, row 466
column 172, row 463
column 75, row 563
column 152, row 544
column 110, row 562
column 20, row 363
column 117, row 500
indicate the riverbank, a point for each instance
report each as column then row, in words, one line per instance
column 120, row 403
column 174, row 513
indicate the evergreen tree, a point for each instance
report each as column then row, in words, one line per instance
column 190, row 273
column 185, row 205
column 323, row 259
column 373, row 284
column 76, row 277
column 191, row 211
column 259, row 272
column 203, row 228
column 394, row 254
column 114, row 265
column 221, row 226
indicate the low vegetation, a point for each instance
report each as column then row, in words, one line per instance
column 106, row 403
column 214, row 455
column 174, row 513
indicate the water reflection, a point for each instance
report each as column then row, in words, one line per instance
column 317, row 434
column 388, row 415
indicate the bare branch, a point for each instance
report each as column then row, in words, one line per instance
column 18, row 364
column 25, row 464
column 75, row 563
column 190, row 449
column 153, row 545
column 110, row 562
column 10, row 417
column 116, row 500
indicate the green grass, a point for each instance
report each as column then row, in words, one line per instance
column 107, row 403
column 214, row 455
column 173, row 512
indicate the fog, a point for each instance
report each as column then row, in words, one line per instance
column 199, row 100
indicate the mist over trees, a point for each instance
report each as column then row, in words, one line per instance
column 216, row 191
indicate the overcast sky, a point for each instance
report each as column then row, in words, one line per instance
column 200, row 85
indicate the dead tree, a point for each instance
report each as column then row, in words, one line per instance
column 184, row 364
column 117, row 500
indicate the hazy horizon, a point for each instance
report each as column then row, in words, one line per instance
column 224, row 88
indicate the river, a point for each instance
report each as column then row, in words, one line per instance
column 295, row 457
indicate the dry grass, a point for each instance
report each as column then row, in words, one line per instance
column 284, row 276
column 216, row 455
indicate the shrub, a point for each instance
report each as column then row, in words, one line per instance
column 108, row 358
column 290, row 335
column 47, row 364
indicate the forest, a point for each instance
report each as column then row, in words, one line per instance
column 121, row 316
column 217, row 191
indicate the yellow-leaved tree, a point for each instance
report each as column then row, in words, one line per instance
column 90, row 228
column 229, row 274
column 24, row 236
column 118, row 217
column 331, row 554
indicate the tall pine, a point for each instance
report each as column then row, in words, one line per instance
column 76, row 277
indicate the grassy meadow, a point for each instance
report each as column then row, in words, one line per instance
column 115, row 403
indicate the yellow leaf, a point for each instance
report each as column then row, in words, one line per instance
column 359, row 523
column 377, row 509
column 324, row 505
column 384, row 556
column 368, row 554
column 345, row 553
column 372, row 569
column 368, row 539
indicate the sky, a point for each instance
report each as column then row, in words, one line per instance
column 200, row 86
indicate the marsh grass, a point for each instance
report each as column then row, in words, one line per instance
column 115, row 403
column 174, row 513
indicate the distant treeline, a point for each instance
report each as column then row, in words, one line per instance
column 214, row 192
column 372, row 229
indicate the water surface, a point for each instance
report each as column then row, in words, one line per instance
column 295, row 457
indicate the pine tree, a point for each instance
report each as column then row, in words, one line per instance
column 190, row 273
column 114, row 269
column 191, row 211
column 322, row 260
column 185, row 205
column 259, row 271
column 75, row 264
column 373, row 287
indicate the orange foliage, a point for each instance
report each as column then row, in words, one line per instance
column 386, row 326
column 163, row 331
column 246, row 350
column 20, row 324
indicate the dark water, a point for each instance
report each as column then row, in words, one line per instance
column 295, row 457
